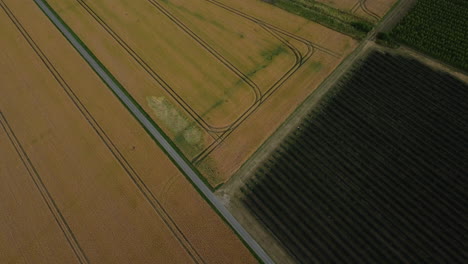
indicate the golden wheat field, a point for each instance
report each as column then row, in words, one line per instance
column 218, row 77
column 82, row 181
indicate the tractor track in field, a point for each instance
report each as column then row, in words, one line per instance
column 198, row 158
column 120, row 158
column 256, row 20
column 300, row 59
column 152, row 130
column 272, row 29
column 218, row 134
column 222, row 59
column 35, row 176
column 45, row 194
column 355, row 7
column 361, row 4
column 199, row 119
column 153, row 74
column 207, row 47
column 213, row 131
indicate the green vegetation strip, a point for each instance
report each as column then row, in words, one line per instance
column 437, row 28
column 333, row 18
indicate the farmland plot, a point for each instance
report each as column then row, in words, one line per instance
column 376, row 174
column 437, row 28
column 28, row 216
column 206, row 70
column 82, row 182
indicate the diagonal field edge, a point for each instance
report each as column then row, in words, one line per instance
column 155, row 133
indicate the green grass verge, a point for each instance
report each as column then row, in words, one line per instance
column 330, row 17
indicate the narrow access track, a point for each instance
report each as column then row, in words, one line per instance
column 153, row 131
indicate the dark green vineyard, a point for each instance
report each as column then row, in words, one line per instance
column 377, row 174
column 438, row 28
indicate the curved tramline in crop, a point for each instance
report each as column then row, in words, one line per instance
column 219, row 133
column 259, row 96
column 206, row 70
column 363, row 6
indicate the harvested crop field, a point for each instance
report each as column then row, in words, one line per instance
column 376, row 174
column 217, row 76
column 82, row 181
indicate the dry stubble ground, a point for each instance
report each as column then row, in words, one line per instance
column 112, row 220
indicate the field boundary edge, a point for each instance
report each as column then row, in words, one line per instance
column 199, row 183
